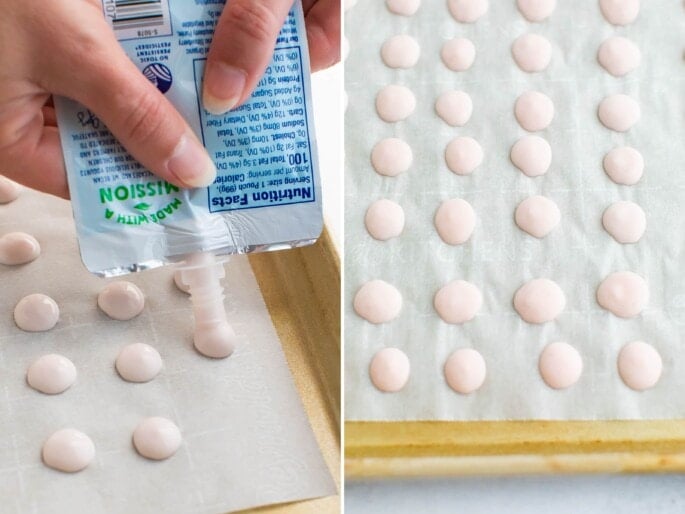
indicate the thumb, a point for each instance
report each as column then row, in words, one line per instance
column 242, row 48
column 142, row 119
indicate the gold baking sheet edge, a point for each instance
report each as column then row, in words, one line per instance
column 301, row 289
column 437, row 448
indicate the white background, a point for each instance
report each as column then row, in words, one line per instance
column 327, row 93
column 643, row 494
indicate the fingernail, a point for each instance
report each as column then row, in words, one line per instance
column 190, row 163
column 223, row 87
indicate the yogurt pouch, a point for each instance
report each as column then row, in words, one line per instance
column 266, row 195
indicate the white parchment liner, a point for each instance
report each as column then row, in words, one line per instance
column 499, row 257
column 246, row 438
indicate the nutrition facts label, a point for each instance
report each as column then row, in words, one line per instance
column 264, row 154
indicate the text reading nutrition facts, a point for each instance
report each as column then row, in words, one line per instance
column 265, row 155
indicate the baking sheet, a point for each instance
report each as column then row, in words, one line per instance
column 499, row 257
column 247, row 441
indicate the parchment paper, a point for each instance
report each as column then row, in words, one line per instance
column 499, row 258
column 247, row 441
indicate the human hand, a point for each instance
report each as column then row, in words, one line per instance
column 67, row 48
column 244, row 42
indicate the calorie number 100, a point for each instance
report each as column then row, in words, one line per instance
column 297, row 158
